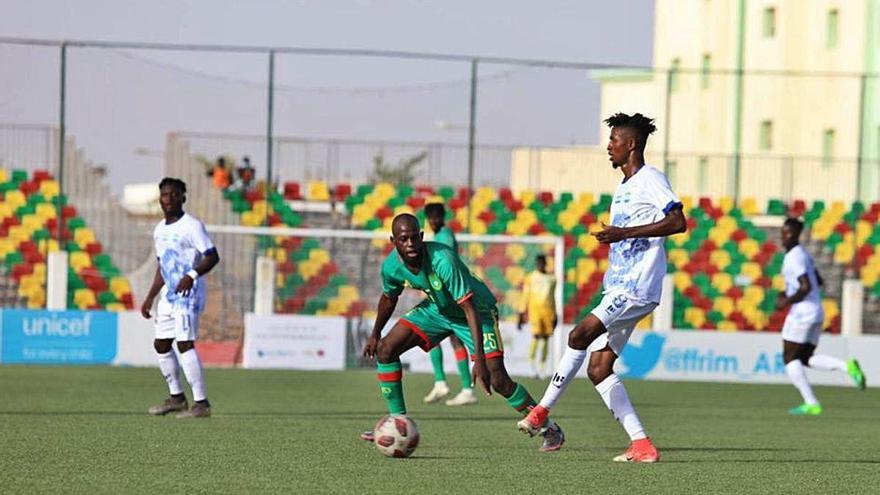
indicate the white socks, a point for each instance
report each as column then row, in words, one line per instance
column 795, row 371
column 170, row 370
column 826, row 363
column 192, row 368
column 569, row 365
column 614, row 394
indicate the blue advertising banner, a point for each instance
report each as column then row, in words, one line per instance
column 58, row 337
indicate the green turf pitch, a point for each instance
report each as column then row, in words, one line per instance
column 86, row 430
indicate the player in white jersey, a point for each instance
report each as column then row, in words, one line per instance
column 185, row 253
column 643, row 212
column 803, row 324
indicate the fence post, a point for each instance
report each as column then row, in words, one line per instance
column 264, row 286
column 270, row 114
column 851, row 308
column 56, row 281
column 62, row 103
column 472, row 132
column 663, row 313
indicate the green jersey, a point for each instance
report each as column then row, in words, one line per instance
column 443, row 277
column 447, row 237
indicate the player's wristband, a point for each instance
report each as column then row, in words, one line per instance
column 193, row 274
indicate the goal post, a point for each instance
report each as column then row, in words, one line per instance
column 334, row 272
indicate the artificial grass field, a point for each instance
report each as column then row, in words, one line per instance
column 76, row 430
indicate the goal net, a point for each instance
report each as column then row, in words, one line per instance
column 333, row 272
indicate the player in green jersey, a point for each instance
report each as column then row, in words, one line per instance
column 435, row 214
column 458, row 304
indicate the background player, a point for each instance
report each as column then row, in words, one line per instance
column 435, row 214
column 644, row 210
column 803, row 324
column 185, row 253
column 456, row 303
column 539, row 304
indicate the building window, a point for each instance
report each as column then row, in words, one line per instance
column 702, row 173
column 766, row 140
column 831, row 29
column 673, row 74
column 768, row 22
column 828, row 148
column 706, row 71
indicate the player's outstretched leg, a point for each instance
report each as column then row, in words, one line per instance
column 440, row 389
column 601, row 372
column 824, row 362
column 170, row 369
column 521, row 401
column 466, row 396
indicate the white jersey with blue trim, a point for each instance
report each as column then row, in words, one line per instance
column 179, row 247
column 636, row 266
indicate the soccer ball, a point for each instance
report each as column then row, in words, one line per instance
column 396, row 436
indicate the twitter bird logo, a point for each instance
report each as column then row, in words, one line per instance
column 639, row 361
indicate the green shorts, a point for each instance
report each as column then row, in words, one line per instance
column 433, row 327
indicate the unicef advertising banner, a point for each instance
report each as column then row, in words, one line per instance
column 58, row 337
column 294, row 342
column 734, row 357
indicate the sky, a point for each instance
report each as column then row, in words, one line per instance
column 121, row 101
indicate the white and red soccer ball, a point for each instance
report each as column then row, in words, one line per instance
column 396, row 436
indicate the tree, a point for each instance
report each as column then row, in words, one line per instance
column 401, row 173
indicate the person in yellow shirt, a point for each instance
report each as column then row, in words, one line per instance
column 539, row 305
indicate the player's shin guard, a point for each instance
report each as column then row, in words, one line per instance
column 192, row 369
column 436, row 355
column 616, row 399
column 390, row 375
column 569, row 365
column 464, row 371
column 521, row 400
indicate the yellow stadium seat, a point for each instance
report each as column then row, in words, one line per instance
column 723, row 305
column 753, row 293
column 84, row 236
column 719, row 257
column 722, row 281
column 585, row 199
column 587, row 243
column 49, row 188
column 516, row 252
column 749, row 248
column 778, row 282
column 115, row 307
column 843, row 253
column 727, row 326
column 682, row 280
column 15, row 198
column 749, row 207
column 4, row 175
column 83, row 298
column 119, row 286
column 695, row 316
column 46, row 211
column 475, row 250
column 32, row 222
column 48, row 245
column 646, row 323
column 726, row 204
column 79, row 260
column 318, row 191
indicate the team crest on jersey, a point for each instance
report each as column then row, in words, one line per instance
column 436, row 284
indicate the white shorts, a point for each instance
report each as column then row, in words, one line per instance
column 181, row 327
column 801, row 333
column 620, row 315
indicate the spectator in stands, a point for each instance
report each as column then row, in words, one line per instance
column 220, row 174
column 245, row 176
